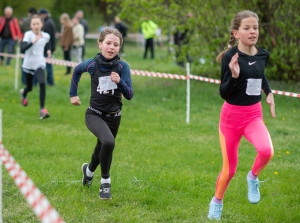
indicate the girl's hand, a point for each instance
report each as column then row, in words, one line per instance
column 270, row 101
column 75, row 100
column 115, row 77
column 37, row 38
column 48, row 54
column 234, row 66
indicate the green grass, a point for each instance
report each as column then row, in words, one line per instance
column 163, row 170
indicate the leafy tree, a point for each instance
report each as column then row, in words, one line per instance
column 279, row 32
column 21, row 7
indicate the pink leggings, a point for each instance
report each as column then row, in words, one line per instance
column 235, row 122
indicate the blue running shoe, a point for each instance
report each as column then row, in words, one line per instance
column 253, row 190
column 215, row 211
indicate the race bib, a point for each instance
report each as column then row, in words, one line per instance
column 106, row 85
column 253, row 87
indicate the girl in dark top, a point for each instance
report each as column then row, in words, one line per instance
column 110, row 79
column 242, row 80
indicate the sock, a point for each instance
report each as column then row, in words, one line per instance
column 217, row 201
column 252, row 176
column 105, row 181
column 88, row 172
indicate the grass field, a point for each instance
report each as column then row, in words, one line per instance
column 163, row 170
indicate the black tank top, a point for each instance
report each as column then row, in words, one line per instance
column 105, row 94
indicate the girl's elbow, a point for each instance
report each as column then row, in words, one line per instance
column 129, row 96
column 224, row 95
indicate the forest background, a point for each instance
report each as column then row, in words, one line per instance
column 208, row 26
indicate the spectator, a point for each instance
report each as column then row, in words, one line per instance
column 119, row 25
column 49, row 27
column 66, row 38
column 25, row 26
column 9, row 33
column 78, row 34
column 79, row 14
column 103, row 27
column 158, row 34
column 25, row 23
column 148, row 29
column 182, row 38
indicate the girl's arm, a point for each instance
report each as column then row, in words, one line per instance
column 227, row 81
column 125, row 83
column 270, row 99
column 265, row 85
column 79, row 69
column 48, row 49
column 26, row 44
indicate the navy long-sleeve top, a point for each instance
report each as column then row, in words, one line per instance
column 125, row 84
column 246, row 89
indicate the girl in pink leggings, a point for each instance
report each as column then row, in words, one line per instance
column 242, row 80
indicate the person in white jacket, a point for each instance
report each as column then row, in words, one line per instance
column 78, row 34
column 33, row 45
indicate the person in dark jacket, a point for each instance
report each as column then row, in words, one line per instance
column 49, row 27
column 9, row 33
column 122, row 28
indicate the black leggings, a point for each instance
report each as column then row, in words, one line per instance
column 67, row 56
column 149, row 44
column 105, row 129
column 40, row 75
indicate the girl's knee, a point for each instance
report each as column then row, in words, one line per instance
column 231, row 174
column 108, row 144
column 266, row 153
column 29, row 88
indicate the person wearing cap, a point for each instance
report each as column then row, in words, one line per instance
column 49, row 27
column 9, row 33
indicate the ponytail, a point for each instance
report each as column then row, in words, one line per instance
column 230, row 44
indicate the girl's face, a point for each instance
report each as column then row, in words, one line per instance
column 62, row 21
column 110, row 46
column 36, row 25
column 248, row 32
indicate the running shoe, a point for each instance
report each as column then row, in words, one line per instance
column 253, row 190
column 86, row 180
column 215, row 211
column 44, row 113
column 105, row 191
column 24, row 100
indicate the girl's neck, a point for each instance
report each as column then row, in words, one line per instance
column 38, row 33
column 249, row 50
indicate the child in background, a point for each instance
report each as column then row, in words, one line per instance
column 110, row 78
column 78, row 34
column 66, row 38
column 33, row 45
column 242, row 79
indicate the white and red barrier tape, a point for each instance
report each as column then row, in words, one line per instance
column 153, row 74
column 38, row 202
